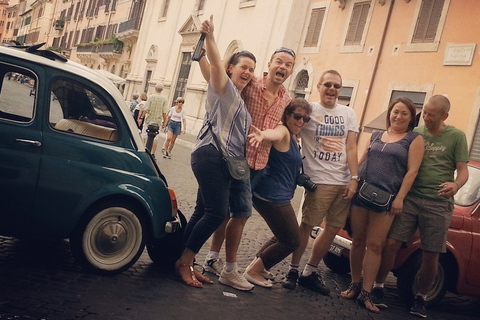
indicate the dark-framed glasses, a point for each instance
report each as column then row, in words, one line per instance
column 286, row 50
column 298, row 116
column 330, row 84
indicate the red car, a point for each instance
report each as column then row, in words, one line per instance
column 458, row 267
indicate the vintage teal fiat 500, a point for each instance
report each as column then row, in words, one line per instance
column 73, row 165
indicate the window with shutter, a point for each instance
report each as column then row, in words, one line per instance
column 428, row 20
column 475, row 148
column 357, row 23
column 313, row 32
column 427, row 26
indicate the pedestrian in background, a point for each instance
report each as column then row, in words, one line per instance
column 134, row 102
column 176, row 125
column 156, row 112
column 429, row 204
column 139, row 111
column 391, row 162
column 329, row 144
column 273, row 194
column 228, row 118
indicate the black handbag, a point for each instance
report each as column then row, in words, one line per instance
column 375, row 198
column 237, row 167
column 372, row 196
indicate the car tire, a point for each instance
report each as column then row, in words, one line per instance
column 165, row 251
column 337, row 264
column 109, row 239
column 407, row 283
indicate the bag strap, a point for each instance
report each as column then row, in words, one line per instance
column 374, row 138
column 220, row 146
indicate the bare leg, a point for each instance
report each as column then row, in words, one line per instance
column 388, row 259
column 322, row 244
column 428, row 271
column 233, row 236
column 359, row 222
column 171, row 144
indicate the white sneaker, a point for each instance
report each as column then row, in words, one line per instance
column 235, row 280
column 214, row 266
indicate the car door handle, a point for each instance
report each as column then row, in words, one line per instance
column 32, row 142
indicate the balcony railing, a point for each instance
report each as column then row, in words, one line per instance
column 132, row 24
column 87, row 48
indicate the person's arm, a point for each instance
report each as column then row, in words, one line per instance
column 449, row 189
column 205, row 68
column 184, row 122
column 352, row 162
column 277, row 136
column 415, row 157
column 218, row 76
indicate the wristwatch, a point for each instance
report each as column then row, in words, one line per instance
column 357, row 178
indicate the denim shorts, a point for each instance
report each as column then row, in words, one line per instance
column 431, row 217
column 240, row 198
column 175, row 127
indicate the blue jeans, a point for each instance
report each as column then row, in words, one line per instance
column 212, row 206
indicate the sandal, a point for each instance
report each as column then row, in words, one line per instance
column 365, row 300
column 186, row 273
column 353, row 291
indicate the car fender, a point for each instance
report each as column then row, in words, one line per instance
column 156, row 208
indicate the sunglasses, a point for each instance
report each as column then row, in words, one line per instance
column 286, row 50
column 298, row 116
column 329, row 85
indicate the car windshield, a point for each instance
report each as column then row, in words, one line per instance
column 470, row 192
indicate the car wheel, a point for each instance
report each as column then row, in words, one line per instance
column 407, row 283
column 165, row 252
column 109, row 239
column 337, row 264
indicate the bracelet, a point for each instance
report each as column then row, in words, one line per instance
column 456, row 185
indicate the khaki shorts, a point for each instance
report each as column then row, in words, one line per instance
column 325, row 203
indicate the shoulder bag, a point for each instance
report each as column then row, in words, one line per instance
column 372, row 196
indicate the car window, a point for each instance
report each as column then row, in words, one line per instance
column 17, row 93
column 76, row 109
column 470, row 192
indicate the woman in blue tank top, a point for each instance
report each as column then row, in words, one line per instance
column 273, row 193
column 393, row 159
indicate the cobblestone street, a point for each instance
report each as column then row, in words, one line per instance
column 40, row 280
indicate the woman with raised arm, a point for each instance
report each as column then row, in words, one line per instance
column 227, row 117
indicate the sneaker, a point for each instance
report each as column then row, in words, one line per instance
column 214, row 266
column 314, row 282
column 235, row 280
column 419, row 309
column 169, row 156
column 291, row 280
column 163, row 151
column 379, row 298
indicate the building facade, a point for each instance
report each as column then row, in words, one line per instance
column 382, row 48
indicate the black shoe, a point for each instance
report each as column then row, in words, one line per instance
column 313, row 282
column 419, row 307
column 379, row 298
column 291, row 280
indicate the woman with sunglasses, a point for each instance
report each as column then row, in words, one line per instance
column 226, row 116
column 274, row 192
column 176, row 125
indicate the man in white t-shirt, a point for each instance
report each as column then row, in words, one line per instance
column 330, row 149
